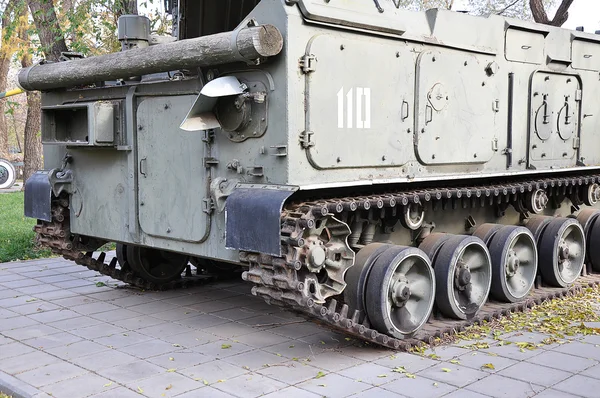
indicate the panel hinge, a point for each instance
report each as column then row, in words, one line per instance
column 495, row 145
column 306, row 139
column 578, row 95
column 576, row 143
column 208, row 136
column 208, row 205
column 308, row 63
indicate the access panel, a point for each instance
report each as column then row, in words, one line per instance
column 359, row 98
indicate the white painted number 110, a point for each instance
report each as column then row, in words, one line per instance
column 350, row 109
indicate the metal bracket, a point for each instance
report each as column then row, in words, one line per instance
column 308, row 63
column 209, row 162
column 208, row 205
column 280, row 150
column 256, row 171
column 576, row 142
column 306, row 139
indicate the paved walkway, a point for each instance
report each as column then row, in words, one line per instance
column 69, row 332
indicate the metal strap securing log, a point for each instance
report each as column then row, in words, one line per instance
column 247, row 44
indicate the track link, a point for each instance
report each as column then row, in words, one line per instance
column 277, row 280
column 55, row 235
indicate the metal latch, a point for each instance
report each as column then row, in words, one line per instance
column 578, row 95
column 306, row 139
column 210, row 162
column 308, row 63
column 576, row 143
column 208, row 205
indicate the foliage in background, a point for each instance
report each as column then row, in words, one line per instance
column 16, row 235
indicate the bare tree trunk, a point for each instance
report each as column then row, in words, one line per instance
column 540, row 15
column 46, row 22
column 126, row 7
column 33, row 142
column 5, row 56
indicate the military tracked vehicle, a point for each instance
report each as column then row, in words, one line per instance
column 398, row 175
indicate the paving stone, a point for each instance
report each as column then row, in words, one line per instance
column 14, row 349
column 56, row 295
column 8, row 293
column 560, row 361
column 165, row 384
column 581, row 385
column 207, row 392
column 50, row 374
column 236, row 314
column 35, row 290
column 71, row 302
column 190, row 339
column 550, row 393
column 462, row 393
column 211, row 306
column 147, row 349
column 411, row 363
column 118, row 314
column 79, row 386
column 75, row 350
column 230, row 330
column 294, row 392
column 185, row 301
column 537, row 374
column 142, row 321
column 327, row 339
column 119, row 392
column 30, row 331
column 94, row 308
column 333, row 385
column 249, row 385
column 213, row 371
column 73, row 284
column 130, row 301
column 11, row 277
column 291, row 372
column 34, row 308
column 21, row 283
column 152, row 307
column 261, row 339
column 180, row 359
column 593, row 371
column 512, row 351
column 16, row 300
column 503, row 387
column 79, row 322
column 103, row 360
column 175, row 315
column 582, row 350
column 52, row 340
column 334, row 361
column 295, row 349
column 53, row 316
column 5, row 340
column 446, row 353
column 458, row 375
column 255, row 359
column 215, row 349
column 477, row 359
column 25, row 362
column 92, row 288
column 163, row 329
column 62, row 277
column 130, row 372
column 111, row 295
column 121, row 340
column 94, row 332
column 297, row 330
column 202, row 321
column 371, row 373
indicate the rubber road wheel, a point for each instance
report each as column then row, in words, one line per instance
column 157, row 266
column 8, row 175
column 562, row 252
column 463, row 276
column 400, row 291
column 514, row 263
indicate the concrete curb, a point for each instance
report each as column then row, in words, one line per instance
column 16, row 388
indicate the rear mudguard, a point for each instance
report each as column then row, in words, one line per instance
column 38, row 195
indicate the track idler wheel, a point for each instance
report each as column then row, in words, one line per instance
column 463, row 275
column 561, row 248
column 400, row 291
column 514, row 263
column 156, row 266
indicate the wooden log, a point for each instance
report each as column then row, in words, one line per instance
column 248, row 45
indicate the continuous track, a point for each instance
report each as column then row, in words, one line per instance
column 279, row 280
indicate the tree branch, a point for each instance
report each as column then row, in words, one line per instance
column 507, row 7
